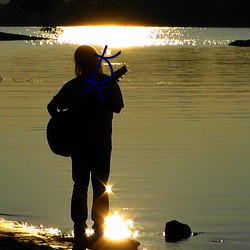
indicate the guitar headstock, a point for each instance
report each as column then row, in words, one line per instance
column 119, row 73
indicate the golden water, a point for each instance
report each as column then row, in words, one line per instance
column 180, row 145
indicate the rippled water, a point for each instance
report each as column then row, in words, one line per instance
column 180, row 146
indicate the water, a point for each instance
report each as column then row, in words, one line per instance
column 180, row 145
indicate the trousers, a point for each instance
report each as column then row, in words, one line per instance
column 89, row 163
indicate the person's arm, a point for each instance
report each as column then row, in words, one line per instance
column 113, row 97
column 60, row 101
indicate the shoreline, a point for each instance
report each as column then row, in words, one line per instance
column 18, row 235
column 15, row 235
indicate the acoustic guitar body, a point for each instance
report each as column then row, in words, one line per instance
column 59, row 133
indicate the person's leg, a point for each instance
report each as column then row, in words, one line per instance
column 79, row 207
column 99, row 178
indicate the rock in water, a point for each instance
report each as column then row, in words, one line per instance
column 176, row 231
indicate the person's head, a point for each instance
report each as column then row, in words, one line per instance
column 86, row 62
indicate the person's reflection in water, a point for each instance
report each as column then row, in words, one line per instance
column 91, row 151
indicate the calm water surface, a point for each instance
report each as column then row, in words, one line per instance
column 180, row 145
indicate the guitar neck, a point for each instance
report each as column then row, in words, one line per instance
column 119, row 73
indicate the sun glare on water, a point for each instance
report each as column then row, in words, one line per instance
column 109, row 189
column 119, row 229
column 113, row 36
column 134, row 36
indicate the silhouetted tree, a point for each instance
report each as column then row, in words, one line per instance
column 31, row 12
column 39, row 6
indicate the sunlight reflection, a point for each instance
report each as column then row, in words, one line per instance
column 113, row 36
column 137, row 36
column 127, row 36
column 89, row 232
column 109, row 189
column 117, row 228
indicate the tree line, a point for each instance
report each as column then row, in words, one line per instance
column 63, row 12
column 126, row 12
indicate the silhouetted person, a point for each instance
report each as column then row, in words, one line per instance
column 92, row 128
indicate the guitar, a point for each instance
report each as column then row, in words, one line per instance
column 60, row 127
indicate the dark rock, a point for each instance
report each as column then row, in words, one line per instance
column 176, row 231
column 240, row 43
column 14, row 37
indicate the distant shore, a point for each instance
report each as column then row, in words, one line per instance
column 15, row 37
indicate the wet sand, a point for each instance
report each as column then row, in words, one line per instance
column 9, row 241
column 15, row 235
column 12, row 241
